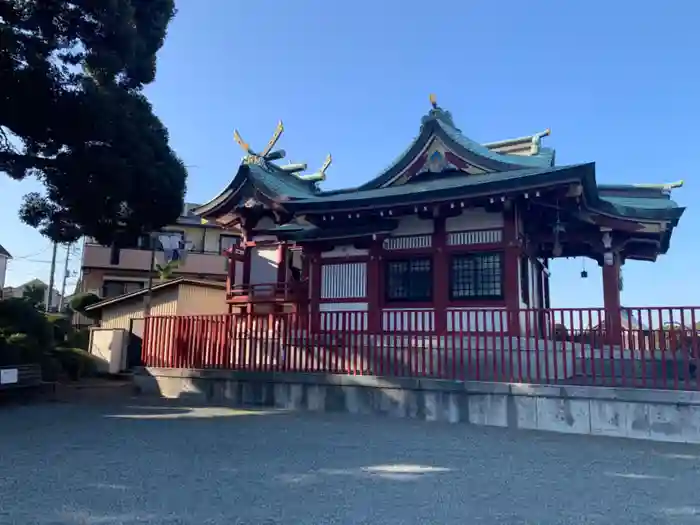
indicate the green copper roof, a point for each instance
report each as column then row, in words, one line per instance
column 457, row 185
column 259, row 176
column 641, row 203
column 269, row 180
column 280, row 183
column 450, row 185
column 439, row 123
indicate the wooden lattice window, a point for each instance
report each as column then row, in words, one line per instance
column 409, row 280
column 476, row 276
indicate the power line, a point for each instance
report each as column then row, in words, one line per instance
column 24, row 257
column 38, row 261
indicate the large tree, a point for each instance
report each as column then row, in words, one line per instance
column 72, row 114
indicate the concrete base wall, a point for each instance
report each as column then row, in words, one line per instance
column 617, row 412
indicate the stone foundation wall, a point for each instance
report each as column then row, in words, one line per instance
column 618, row 412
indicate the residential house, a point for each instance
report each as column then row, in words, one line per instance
column 19, row 291
column 4, row 257
column 106, row 276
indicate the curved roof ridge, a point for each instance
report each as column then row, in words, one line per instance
column 517, row 140
column 540, row 160
column 439, row 122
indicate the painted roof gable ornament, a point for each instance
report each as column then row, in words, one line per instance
column 320, row 175
column 437, row 113
column 265, row 157
column 537, row 141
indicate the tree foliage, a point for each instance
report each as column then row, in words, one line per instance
column 73, row 114
column 35, row 294
column 24, row 332
column 80, row 302
column 166, row 271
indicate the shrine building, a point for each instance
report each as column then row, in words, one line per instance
column 451, row 226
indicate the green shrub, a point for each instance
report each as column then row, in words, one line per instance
column 51, row 370
column 25, row 334
column 79, row 339
column 76, row 363
column 80, row 302
column 61, row 328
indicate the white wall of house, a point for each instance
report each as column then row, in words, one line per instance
column 3, row 271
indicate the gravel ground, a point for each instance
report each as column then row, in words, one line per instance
column 166, row 464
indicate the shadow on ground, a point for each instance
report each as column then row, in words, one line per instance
column 167, row 462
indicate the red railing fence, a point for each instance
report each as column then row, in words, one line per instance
column 650, row 348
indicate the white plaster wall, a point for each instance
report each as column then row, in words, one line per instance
column 263, row 264
column 404, row 319
column 297, row 260
column 344, row 307
column 529, row 319
column 238, row 277
column 344, row 316
column 535, row 275
column 412, row 225
column 344, row 251
column 474, row 219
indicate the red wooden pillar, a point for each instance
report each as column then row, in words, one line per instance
column 374, row 290
column 247, row 262
column 441, row 274
column 245, row 277
column 611, row 299
column 511, row 285
column 230, row 274
column 230, row 269
column 315, row 291
column 282, row 251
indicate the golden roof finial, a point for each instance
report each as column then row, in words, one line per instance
column 433, row 100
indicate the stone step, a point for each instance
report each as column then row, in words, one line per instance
column 94, row 390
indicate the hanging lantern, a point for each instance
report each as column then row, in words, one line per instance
column 557, row 249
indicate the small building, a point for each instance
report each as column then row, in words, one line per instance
column 181, row 296
column 452, row 226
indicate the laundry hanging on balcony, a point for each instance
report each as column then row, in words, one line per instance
column 174, row 247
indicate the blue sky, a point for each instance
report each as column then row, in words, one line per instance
column 615, row 80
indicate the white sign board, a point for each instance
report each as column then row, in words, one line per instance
column 8, row 376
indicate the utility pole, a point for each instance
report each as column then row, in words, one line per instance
column 152, row 240
column 49, row 294
column 66, row 273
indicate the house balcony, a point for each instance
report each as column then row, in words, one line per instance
column 198, row 263
column 291, row 292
